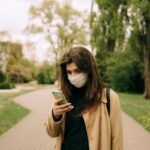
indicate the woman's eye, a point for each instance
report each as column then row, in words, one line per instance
column 68, row 72
column 78, row 71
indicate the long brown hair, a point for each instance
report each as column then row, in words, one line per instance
column 84, row 60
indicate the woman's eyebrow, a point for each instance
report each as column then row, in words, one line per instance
column 78, row 69
column 75, row 69
column 68, row 70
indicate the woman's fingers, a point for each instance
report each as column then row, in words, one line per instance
column 66, row 109
column 57, row 105
column 60, row 109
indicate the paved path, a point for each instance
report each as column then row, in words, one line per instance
column 135, row 136
column 29, row 133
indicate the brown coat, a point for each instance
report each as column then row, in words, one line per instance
column 104, row 131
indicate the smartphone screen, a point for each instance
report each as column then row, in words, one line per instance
column 60, row 97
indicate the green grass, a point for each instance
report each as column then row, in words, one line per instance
column 136, row 107
column 10, row 112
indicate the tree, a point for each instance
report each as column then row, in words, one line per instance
column 106, row 31
column 59, row 23
column 30, row 50
column 10, row 53
column 109, row 31
column 46, row 74
column 140, row 21
column 126, row 73
column 13, row 64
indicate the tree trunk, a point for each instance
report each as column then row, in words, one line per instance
column 147, row 74
column 147, row 61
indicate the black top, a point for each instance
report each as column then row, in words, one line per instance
column 75, row 137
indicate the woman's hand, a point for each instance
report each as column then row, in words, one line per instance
column 58, row 109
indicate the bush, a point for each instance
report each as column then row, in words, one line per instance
column 41, row 78
column 3, row 77
column 6, row 85
column 46, row 74
column 125, row 72
column 20, row 74
column 4, row 81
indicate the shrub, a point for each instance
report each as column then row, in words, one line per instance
column 3, row 76
column 41, row 78
column 20, row 74
column 46, row 74
column 4, row 81
column 125, row 72
column 6, row 85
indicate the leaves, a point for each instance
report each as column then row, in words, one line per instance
column 61, row 25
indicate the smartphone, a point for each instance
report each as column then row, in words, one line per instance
column 58, row 95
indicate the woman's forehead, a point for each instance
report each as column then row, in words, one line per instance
column 71, row 66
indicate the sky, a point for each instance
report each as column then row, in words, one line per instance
column 14, row 17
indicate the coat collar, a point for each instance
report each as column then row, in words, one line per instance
column 104, row 99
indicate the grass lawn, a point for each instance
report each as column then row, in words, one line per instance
column 136, row 107
column 10, row 112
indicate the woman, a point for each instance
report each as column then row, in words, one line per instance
column 84, row 123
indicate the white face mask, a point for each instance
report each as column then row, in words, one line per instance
column 78, row 80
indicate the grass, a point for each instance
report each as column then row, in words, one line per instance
column 136, row 107
column 10, row 112
column 133, row 104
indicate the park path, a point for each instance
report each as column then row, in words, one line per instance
column 29, row 133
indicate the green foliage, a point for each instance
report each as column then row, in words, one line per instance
column 107, row 26
column 101, row 59
column 46, row 74
column 14, row 50
column 10, row 53
column 125, row 72
column 122, row 26
column 142, row 5
column 2, row 77
column 31, row 65
column 106, row 32
column 6, row 85
column 113, row 4
column 60, row 24
column 136, row 45
column 19, row 73
column 16, row 68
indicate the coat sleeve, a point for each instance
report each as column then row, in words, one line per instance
column 116, row 122
column 53, row 128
